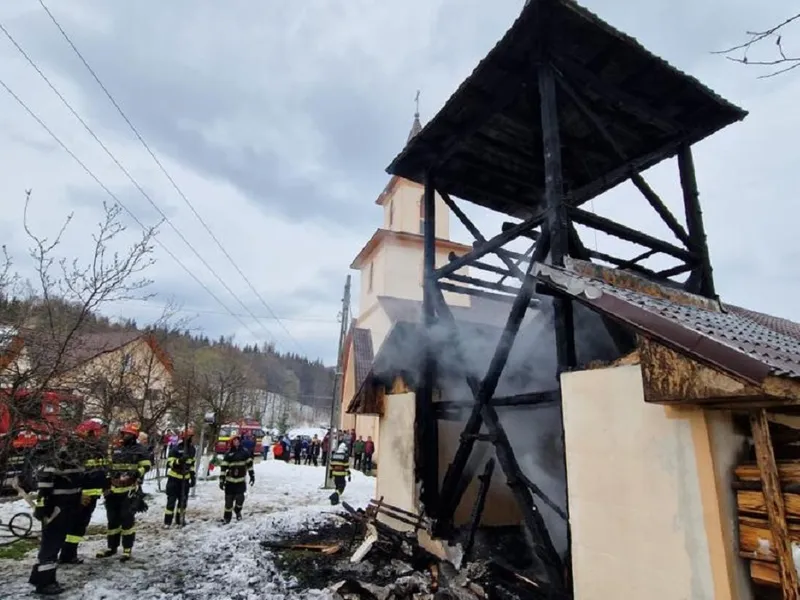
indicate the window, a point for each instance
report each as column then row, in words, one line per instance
column 369, row 278
column 391, row 213
column 422, row 214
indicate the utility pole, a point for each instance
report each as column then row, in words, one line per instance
column 337, row 380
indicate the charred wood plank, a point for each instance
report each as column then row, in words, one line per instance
column 532, row 234
column 519, row 260
column 694, row 219
column 491, row 245
column 661, row 208
column 619, row 262
column 627, row 233
column 618, row 98
column 466, row 279
column 477, row 509
column 775, row 508
column 523, row 400
column 470, row 226
column 479, row 293
column 482, row 266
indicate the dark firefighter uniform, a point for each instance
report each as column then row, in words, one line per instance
column 180, row 478
column 57, row 506
column 94, row 454
column 129, row 463
column 236, row 463
column 340, row 468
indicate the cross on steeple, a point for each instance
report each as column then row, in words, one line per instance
column 416, row 126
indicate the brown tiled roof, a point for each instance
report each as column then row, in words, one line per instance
column 362, row 354
column 744, row 343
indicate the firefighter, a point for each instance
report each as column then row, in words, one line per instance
column 340, row 468
column 57, row 506
column 180, row 478
column 92, row 452
column 129, row 463
column 236, row 462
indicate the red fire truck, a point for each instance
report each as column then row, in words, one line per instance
column 241, row 428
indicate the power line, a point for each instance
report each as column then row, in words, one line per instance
column 162, row 306
column 118, row 201
column 168, row 176
column 132, row 180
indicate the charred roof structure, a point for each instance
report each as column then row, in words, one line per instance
column 564, row 108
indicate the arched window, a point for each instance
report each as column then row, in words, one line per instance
column 369, row 278
column 391, row 213
column 422, row 214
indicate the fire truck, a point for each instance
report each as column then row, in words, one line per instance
column 241, row 428
column 28, row 421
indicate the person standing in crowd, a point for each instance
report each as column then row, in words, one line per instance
column 129, row 463
column 297, row 449
column 314, row 450
column 286, row 448
column 340, row 468
column 57, row 506
column 358, row 453
column 249, row 443
column 181, row 477
column 237, row 463
column 165, row 444
column 93, row 453
column 325, row 447
column 369, row 450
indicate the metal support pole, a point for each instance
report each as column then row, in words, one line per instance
column 337, row 382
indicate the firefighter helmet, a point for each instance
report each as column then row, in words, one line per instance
column 130, row 428
column 187, row 433
column 90, row 427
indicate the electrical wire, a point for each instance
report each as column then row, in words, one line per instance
column 133, row 180
column 162, row 306
column 167, row 175
column 121, row 204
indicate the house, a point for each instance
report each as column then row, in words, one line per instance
column 121, row 375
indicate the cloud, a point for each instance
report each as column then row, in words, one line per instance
column 278, row 119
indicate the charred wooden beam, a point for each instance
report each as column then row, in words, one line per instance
column 531, row 235
column 483, row 390
column 676, row 270
column 482, row 266
column 621, row 263
column 426, row 426
column 554, row 185
column 466, row 279
column 634, row 262
column 623, row 232
column 653, row 198
column 467, row 291
column 694, row 218
column 491, row 245
column 477, row 509
column 532, row 399
column 519, row 260
column 776, row 511
column 477, row 234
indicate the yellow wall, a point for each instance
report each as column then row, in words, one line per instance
column 395, row 478
column 647, row 490
column 406, row 201
column 378, row 263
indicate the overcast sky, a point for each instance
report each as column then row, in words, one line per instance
column 277, row 119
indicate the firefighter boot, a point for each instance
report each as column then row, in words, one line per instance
column 51, row 589
column 43, row 577
column 107, row 553
column 334, row 498
column 126, row 555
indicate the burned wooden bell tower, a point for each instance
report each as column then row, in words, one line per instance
column 562, row 109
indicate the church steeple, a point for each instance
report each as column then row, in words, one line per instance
column 416, row 126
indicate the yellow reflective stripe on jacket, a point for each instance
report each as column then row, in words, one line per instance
column 122, row 490
column 97, row 462
column 235, row 479
column 93, row 492
column 176, row 475
column 237, row 463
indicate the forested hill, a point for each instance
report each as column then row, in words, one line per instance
column 296, row 377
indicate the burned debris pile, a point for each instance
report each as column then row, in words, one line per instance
column 363, row 557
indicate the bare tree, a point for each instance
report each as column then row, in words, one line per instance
column 221, row 381
column 780, row 61
column 43, row 333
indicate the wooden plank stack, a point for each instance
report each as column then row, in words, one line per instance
column 755, row 537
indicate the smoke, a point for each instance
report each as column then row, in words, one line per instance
column 534, row 432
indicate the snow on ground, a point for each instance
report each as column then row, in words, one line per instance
column 206, row 559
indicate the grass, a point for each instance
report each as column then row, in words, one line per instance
column 18, row 549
